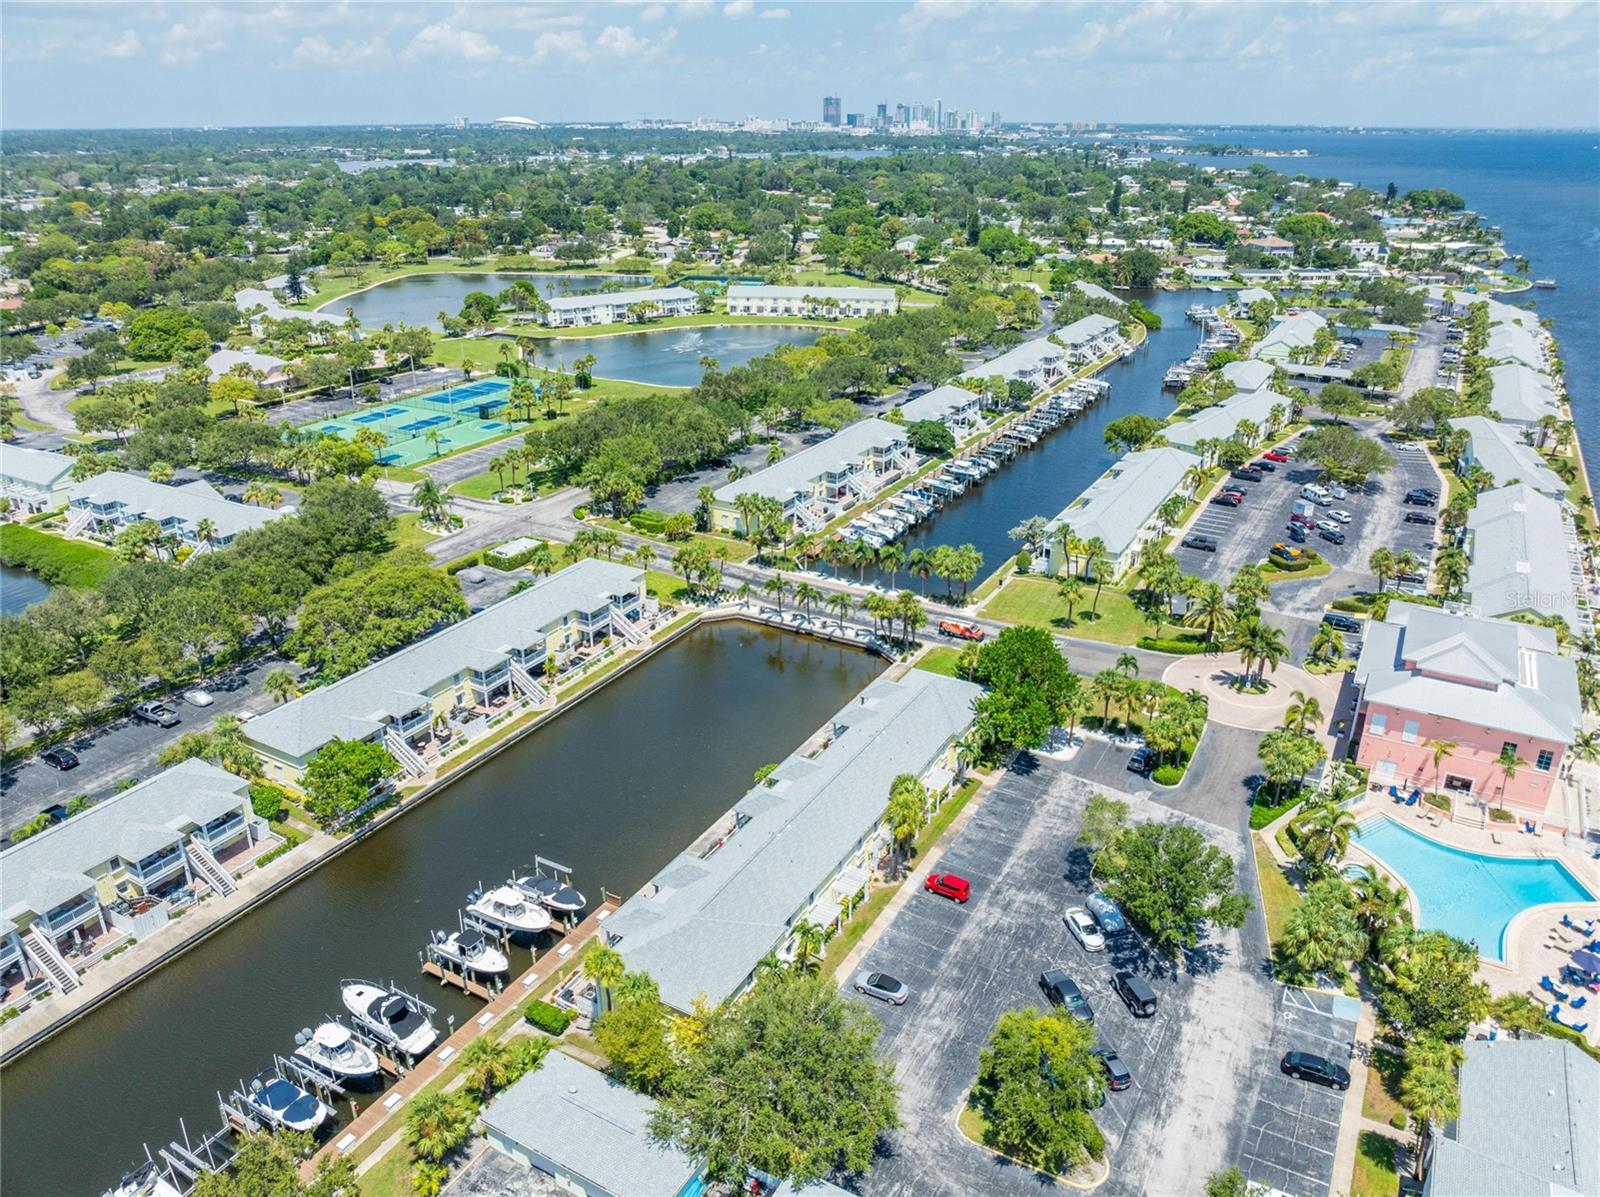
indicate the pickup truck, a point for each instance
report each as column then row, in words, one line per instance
column 156, row 713
column 955, row 629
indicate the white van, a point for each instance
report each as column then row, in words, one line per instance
column 1316, row 494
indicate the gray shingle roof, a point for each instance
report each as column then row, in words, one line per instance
column 1221, row 419
column 1514, row 679
column 1530, row 1109
column 49, row 868
column 796, row 472
column 223, row 360
column 354, row 707
column 1519, row 554
column 1096, row 291
column 1521, row 395
column 1123, row 500
column 1015, row 363
column 843, row 294
column 703, row 925
column 255, row 297
column 1250, row 295
column 1248, row 375
column 566, row 303
column 1081, row 332
column 35, row 467
column 1500, row 449
column 590, row 1125
column 191, row 502
column 1293, row 332
column 1513, row 343
column 937, row 404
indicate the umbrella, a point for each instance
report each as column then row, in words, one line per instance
column 1588, row 961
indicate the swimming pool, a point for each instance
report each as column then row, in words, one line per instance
column 1470, row 895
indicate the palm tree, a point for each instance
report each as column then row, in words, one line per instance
column 1127, row 665
column 805, row 594
column 1381, row 563
column 429, row 501
column 920, row 563
column 280, row 684
column 1327, row 644
column 1324, row 835
column 1509, row 763
column 1381, row 908
column 840, row 605
column 1261, row 645
column 776, row 587
column 487, row 1063
column 907, row 814
column 1303, row 710
column 1070, row 587
column 809, row 939
column 1441, row 750
column 743, row 593
column 892, row 558
column 604, row 966
column 1209, row 609
column 437, row 1123
column 1428, row 1088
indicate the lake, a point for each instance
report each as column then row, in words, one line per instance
column 19, row 590
column 419, row 298
column 669, row 357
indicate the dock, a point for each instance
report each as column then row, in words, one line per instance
column 449, row 976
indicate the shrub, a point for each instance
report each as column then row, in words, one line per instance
column 511, row 561
column 552, row 1020
column 1167, row 775
column 1173, row 644
column 62, row 562
column 267, row 801
column 1399, row 1121
column 1354, row 605
column 651, row 523
column 465, row 563
column 578, row 513
column 1497, row 815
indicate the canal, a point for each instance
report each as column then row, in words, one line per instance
column 419, row 298
column 614, row 789
column 669, row 357
column 20, row 589
column 1044, row 479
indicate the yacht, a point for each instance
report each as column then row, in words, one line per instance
column 553, row 894
column 1548, row 284
column 505, row 907
column 472, row 952
column 282, row 1103
column 389, row 1015
column 331, row 1049
column 147, row 1180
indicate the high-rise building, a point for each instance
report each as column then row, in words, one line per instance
column 832, row 110
column 882, row 118
column 994, row 120
column 938, row 114
column 902, row 115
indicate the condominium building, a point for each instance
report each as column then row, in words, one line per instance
column 1288, row 335
column 747, row 300
column 1500, row 449
column 65, row 891
column 800, row 846
column 110, row 503
column 619, row 307
column 1120, row 507
column 1249, row 375
column 1221, row 420
column 1521, row 395
column 1478, row 687
column 1039, row 363
column 268, row 371
column 957, row 408
column 34, row 480
column 821, row 480
column 1091, row 338
column 1514, row 343
column 1524, row 557
column 1096, row 291
column 415, row 700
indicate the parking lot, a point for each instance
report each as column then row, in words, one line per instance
column 1194, row 1064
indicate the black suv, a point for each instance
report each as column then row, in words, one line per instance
column 1422, row 497
column 1331, row 535
column 1421, row 517
column 1062, row 990
column 1206, row 544
column 1135, row 993
column 1117, row 1075
column 1341, row 623
column 1246, row 474
column 1307, row 1067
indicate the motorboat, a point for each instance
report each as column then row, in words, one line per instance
column 506, row 907
column 282, row 1103
column 391, row 1016
column 332, row 1050
column 147, row 1180
column 551, row 893
column 472, row 952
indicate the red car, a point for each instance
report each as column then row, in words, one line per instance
column 1229, row 498
column 948, row 885
column 1306, row 521
column 1277, row 455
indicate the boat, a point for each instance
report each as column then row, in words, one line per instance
column 331, row 1049
column 1548, row 284
column 471, row 951
column 282, row 1103
column 146, row 1180
column 391, row 1016
column 506, row 907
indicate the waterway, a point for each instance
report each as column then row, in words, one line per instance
column 613, row 789
column 670, row 357
column 1044, row 479
column 419, row 298
column 19, row 590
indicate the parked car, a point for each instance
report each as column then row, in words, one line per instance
column 198, row 697
column 1421, row 496
column 1421, row 517
column 1297, row 532
column 1307, row 1067
column 1135, row 993
column 60, row 758
column 1082, row 925
column 1106, row 913
column 1118, row 1077
column 948, row 885
column 1246, row 474
column 1285, row 553
column 1265, row 466
column 958, row 630
column 1142, row 761
column 1341, row 622
column 1279, row 455
column 56, row 812
column 1062, row 990
column 1328, row 525
column 1206, row 544
column 883, row 987
column 1228, row 498
column 1339, row 515
column 156, row 713
column 1338, row 492
column 1331, row 535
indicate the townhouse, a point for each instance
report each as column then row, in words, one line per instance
column 800, row 846
column 618, row 307
column 1096, row 291
column 957, row 408
column 747, row 300
column 1500, row 449
column 1040, row 363
column 1524, row 556
column 1221, row 420
column 195, row 513
column 34, row 480
column 1475, row 687
column 1291, row 334
column 820, row 480
column 1521, row 395
column 267, row 370
column 416, row 700
column 1120, row 507
column 1250, row 374
column 1091, row 338
column 1516, row 344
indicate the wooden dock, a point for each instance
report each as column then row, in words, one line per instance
column 428, row 1070
column 447, row 976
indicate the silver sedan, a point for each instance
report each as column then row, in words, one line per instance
column 883, row 987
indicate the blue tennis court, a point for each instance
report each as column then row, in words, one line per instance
column 422, row 427
column 375, row 417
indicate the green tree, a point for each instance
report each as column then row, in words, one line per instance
column 633, row 1035
column 1026, row 676
column 1321, row 934
column 1172, row 883
column 907, row 813
column 1037, row 1083
column 342, row 775
column 1104, row 820
column 437, row 1122
column 268, row 1165
column 348, row 622
column 604, row 966
column 281, row 684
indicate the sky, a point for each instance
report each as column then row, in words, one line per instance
column 283, row 62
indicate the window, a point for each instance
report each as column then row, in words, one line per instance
column 1509, row 748
column 1408, row 731
column 1378, row 724
column 1546, row 759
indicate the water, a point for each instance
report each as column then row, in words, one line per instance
column 19, row 590
column 1466, row 894
column 614, row 789
column 1541, row 189
column 419, row 298
column 1044, row 479
column 669, row 357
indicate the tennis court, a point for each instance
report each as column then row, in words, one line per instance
column 421, row 427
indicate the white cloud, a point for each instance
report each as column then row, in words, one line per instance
column 737, row 9
column 653, row 12
column 196, row 38
column 318, row 51
column 927, row 12
column 126, row 46
column 759, row 50
column 614, row 43
column 774, row 14
column 690, row 10
column 620, row 41
column 447, row 43
column 568, row 44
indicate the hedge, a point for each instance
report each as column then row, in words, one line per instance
column 1178, row 644
column 552, row 1020
column 509, row 562
column 1167, row 775
column 651, row 523
column 56, row 560
column 456, row 567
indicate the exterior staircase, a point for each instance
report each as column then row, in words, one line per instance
column 625, row 627
column 210, row 868
column 43, row 952
column 78, row 520
column 524, row 681
column 1467, row 814
column 413, row 764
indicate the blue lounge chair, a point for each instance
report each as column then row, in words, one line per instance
column 1415, row 795
column 1394, row 793
column 1546, row 984
column 1579, row 1027
column 1579, row 1002
column 1554, row 1013
column 1527, row 825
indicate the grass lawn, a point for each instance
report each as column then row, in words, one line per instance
column 1316, row 569
column 940, row 660
column 487, row 485
column 482, row 354
column 1380, row 1101
column 669, row 588
column 1279, row 898
column 1376, row 1172
column 389, row 1177
column 409, row 533
column 1116, row 620
column 855, row 927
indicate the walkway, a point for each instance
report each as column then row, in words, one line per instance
column 1212, row 675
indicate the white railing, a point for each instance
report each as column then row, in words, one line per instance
column 625, row 627
column 210, row 868
column 404, row 753
column 42, row 951
column 79, row 519
column 524, row 681
column 810, row 517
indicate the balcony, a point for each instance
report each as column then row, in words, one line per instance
column 225, row 831
column 414, row 723
column 154, row 869
column 69, row 915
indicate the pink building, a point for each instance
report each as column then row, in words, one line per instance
column 1428, row 677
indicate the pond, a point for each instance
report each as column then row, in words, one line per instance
column 419, row 298
column 669, row 357
column 613, row 789
column 19, row 590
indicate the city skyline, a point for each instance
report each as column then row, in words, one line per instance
column 139, row 65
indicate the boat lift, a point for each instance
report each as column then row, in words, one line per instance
column 449, row 973
column 390, row 1059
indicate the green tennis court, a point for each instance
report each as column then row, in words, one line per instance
column 421, row 427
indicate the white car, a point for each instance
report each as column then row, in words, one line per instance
column 1339, row 514
column 1084, row 929
column 1327, row 526
column 198, row 698
column 1338, row 491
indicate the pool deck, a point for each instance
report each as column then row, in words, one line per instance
column 1535, row 944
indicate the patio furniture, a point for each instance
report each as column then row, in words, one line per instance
column 1527, row 826
column 1495, row 836
column 1394, row 793
column 1579, row 1002
column 1412, row 801
column 1549, row 986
